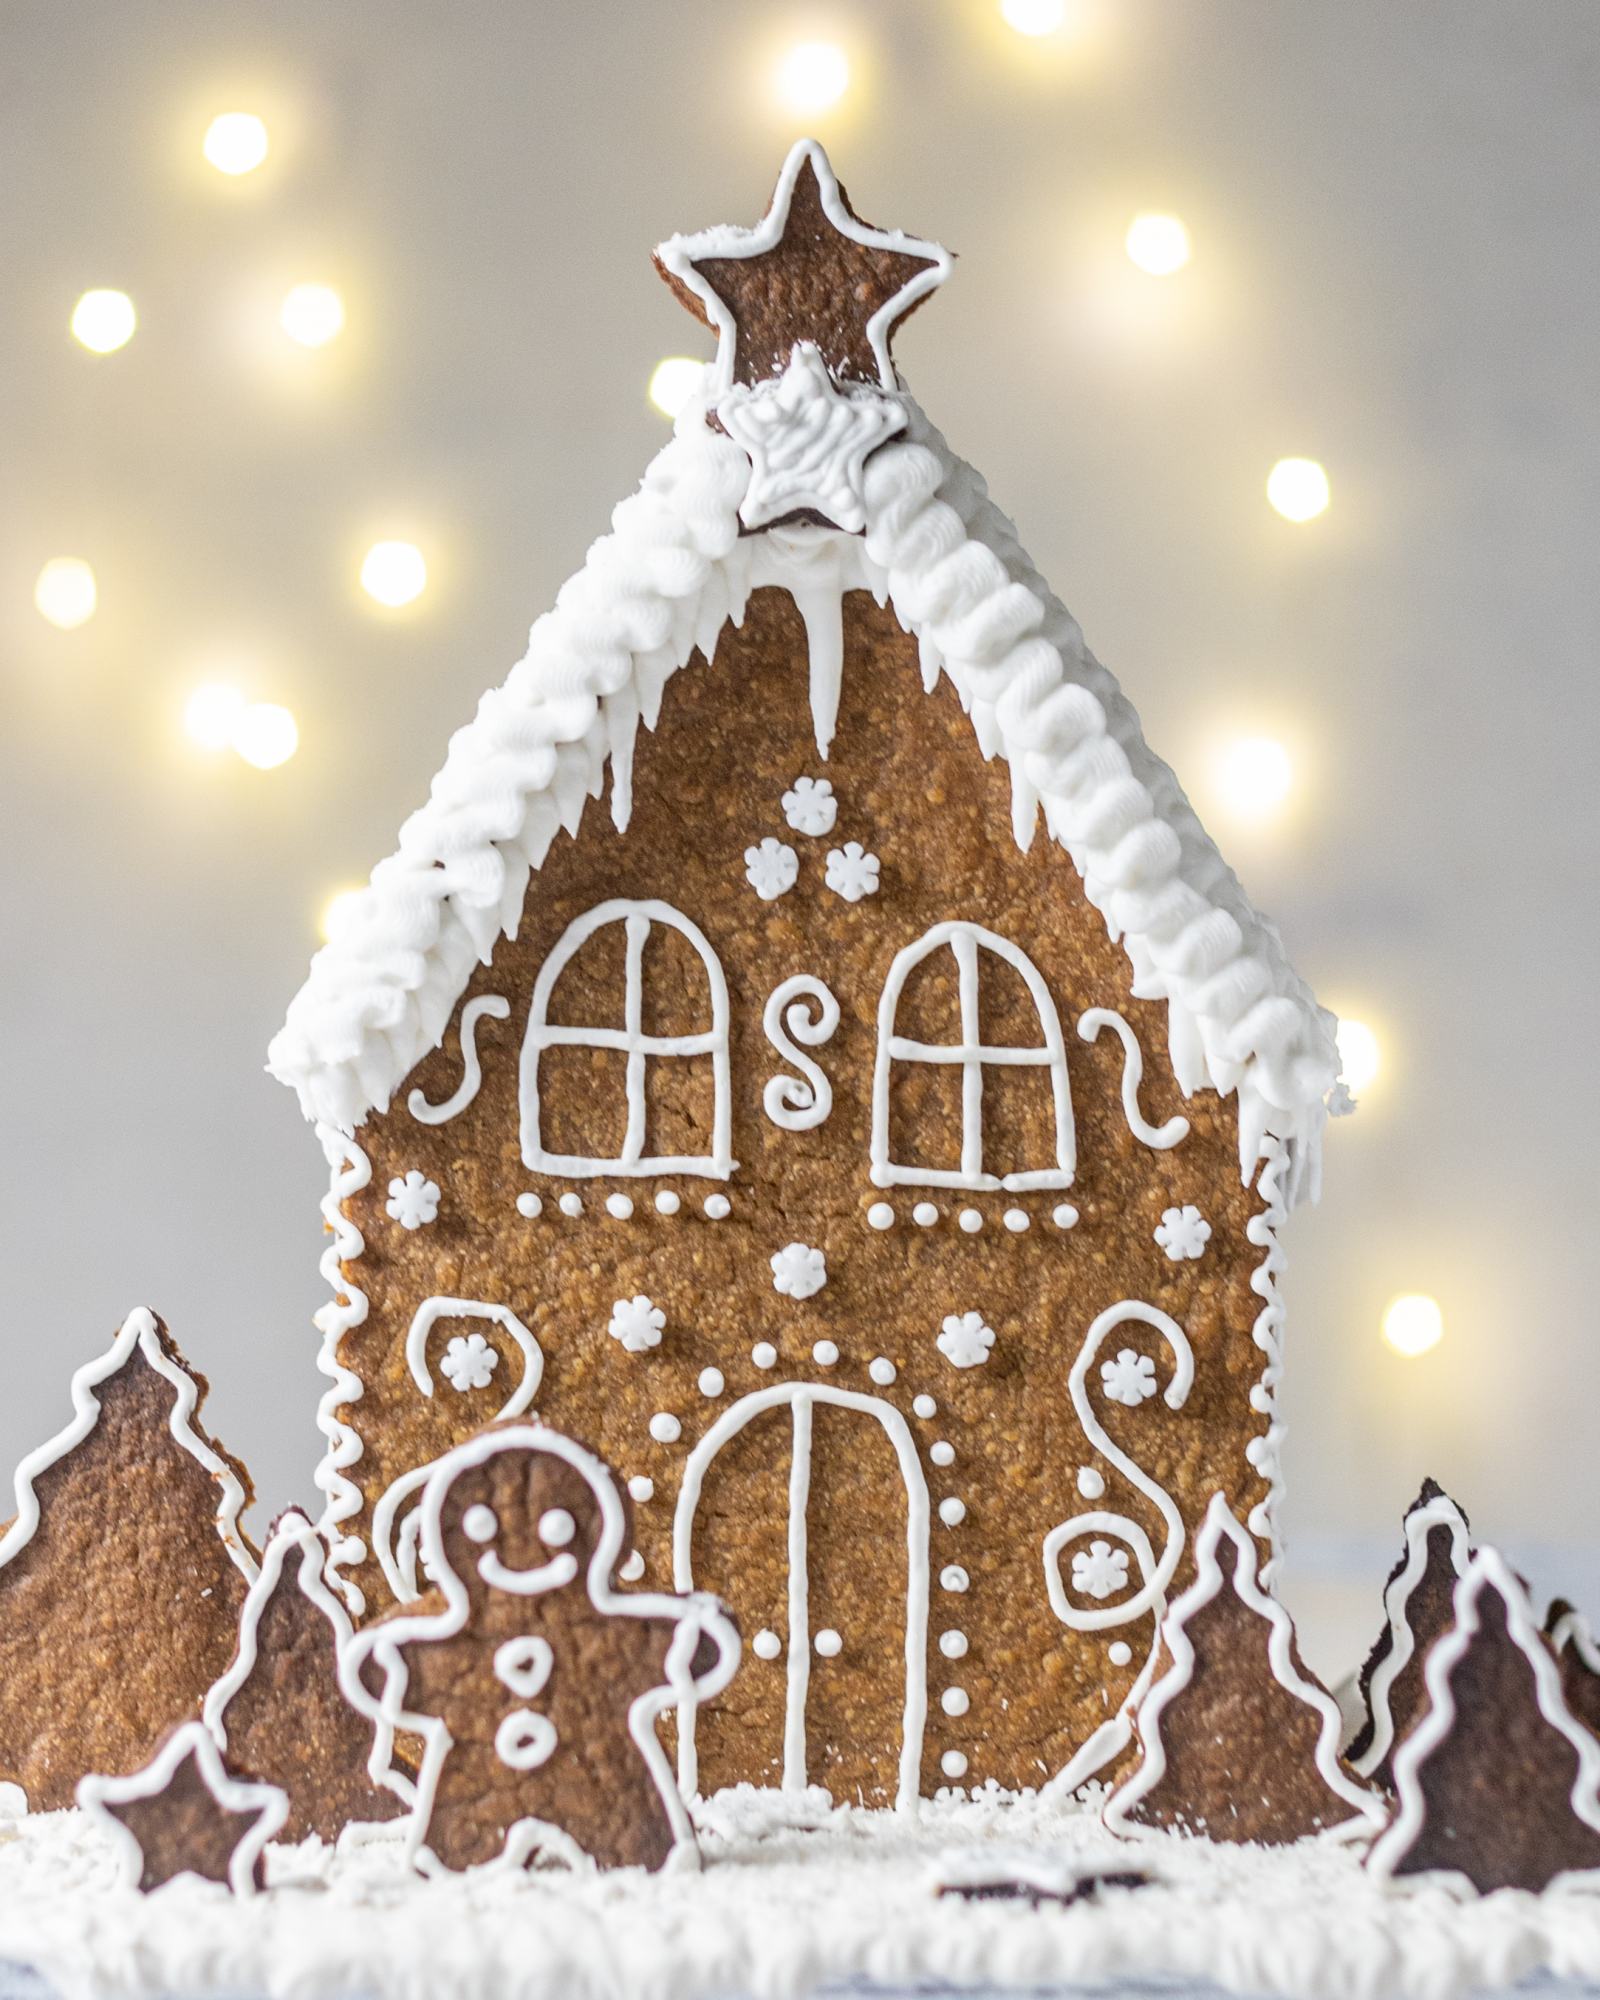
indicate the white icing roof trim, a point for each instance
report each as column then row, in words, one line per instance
column 672, row 572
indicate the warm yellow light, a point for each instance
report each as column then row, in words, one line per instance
column 266, row 735
column 235, row 142
column 1412, row 1324
column 65, row 592
column 674, row 381
column 336, row 912
column 212, row 714
column 394, row 573
column 312, row 315
column 1298, row 488
column 1158, row 244
column 1033, row 17
column 1359, row 1056
column 813, row 76
column 103, row 321
column 1254, row 777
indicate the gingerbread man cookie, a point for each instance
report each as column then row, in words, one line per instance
column 533, row 1683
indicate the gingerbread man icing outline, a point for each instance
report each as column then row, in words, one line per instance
column 696, row 1614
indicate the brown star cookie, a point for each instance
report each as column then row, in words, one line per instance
column 1497, row 1784
column 187, row 1814
column 123, row 1574
column 812, row 271
column 1238, row 1740
column 279, row 1711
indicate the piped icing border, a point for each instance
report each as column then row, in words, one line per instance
column 1368, row 1810
column 143, row 1330
column 349, row 1171
column 672, row 573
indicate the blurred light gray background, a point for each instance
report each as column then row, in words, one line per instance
column 1393, row 211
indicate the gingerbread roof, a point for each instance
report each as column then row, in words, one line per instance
column 679, row 564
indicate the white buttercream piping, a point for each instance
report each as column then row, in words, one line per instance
column 673, row 571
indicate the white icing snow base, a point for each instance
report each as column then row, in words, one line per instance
column 787, row 1902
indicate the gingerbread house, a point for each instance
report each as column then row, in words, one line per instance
column 807, row 1048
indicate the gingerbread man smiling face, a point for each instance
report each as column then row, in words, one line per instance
column 536, row 1685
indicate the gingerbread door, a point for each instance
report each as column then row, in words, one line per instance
column 780, row 1501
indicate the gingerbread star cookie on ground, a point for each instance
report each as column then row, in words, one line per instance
column 1577, row 1653
column 187, row 1814
column 279, row 1712
column 1497, row 1784
column 1238, row 1741
column 534, row 1685
column 1418, row 1604
column 123, row 1574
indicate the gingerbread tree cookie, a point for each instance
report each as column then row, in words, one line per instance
column 1238, row 1740
column 123, row 1574
column 1573, row 1642
column 534, row 1685
column 1418, row 1602
column 278, row 1712
column 1498, row 1782
column 187, row 1814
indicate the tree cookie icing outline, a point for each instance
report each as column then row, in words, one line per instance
column 1220, row 1527
column 1487, row 1570
column 98, row 1796
column 696, row 1615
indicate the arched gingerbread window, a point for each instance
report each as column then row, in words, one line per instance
column 971, row 946
column 639, row 1048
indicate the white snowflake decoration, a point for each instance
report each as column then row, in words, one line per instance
column 810, row 807
column 1099, row 1571
column 852, row 873
column 966, row 1341
column 1129, row 1379
column 1183, row 1232
column 772, row 869
column 469, row 1362
column 807, row 441
column 798, row 1271
column 413, row 1201
column 637, row 1323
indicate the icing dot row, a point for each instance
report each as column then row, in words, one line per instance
column 621, row 1206
column 925, row 1214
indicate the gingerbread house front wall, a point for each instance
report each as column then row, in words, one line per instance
column 942, row 1488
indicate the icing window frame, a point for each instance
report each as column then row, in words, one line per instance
column 638, row 916
column 965, row 941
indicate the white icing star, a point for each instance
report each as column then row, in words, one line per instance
column 468, row 1362
column 810, row 807
column 851, row 872
column 807, row 442
column 637, row 1323
column 798, row 1271
column 966, row 1341
column 771, row 869
column 1100, row 1571
column 1183, row 1232
column 1129, row 1379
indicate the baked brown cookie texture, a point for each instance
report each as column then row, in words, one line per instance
column 1418, row 1605
column 812, row 271
column 1238, row 1740
column 1573, row 1642
column 1497, row 1783
column 534, row 1684
column 279, row 1711
column 187, row 1813
column 123, row 1573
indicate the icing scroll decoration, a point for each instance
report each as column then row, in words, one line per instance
column 799, row 1104
column 394, row 1540
column 965, row 940
column 471, row 1071
column 1160, row 1137
column 1155, row 1574
column 640, row 1048
column 800, row 1398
